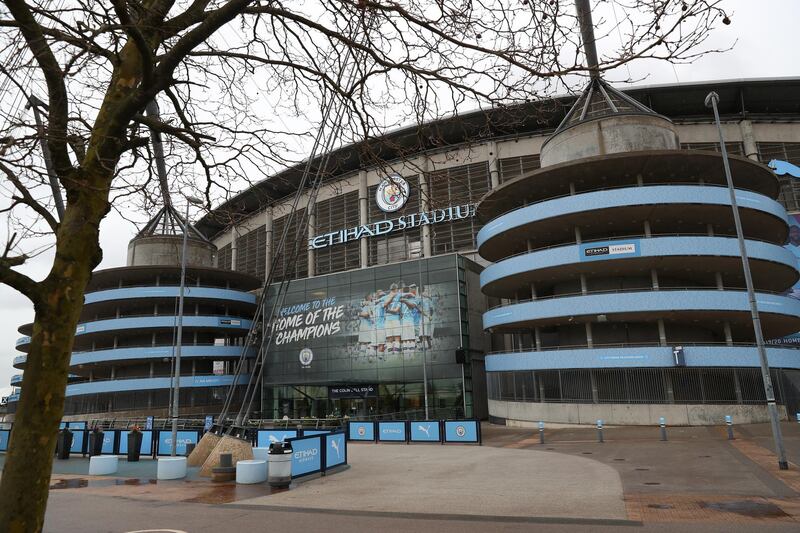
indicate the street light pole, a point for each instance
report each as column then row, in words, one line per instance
column 711, row 101
column 176, row 382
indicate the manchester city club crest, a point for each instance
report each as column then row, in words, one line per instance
column 461, row 431
column 306, row 356
column 392, row 193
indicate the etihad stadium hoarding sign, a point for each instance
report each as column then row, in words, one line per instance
column 383, row 227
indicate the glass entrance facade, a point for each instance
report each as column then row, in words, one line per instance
column 369, row 342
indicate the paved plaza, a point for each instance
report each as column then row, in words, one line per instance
column 633, row 480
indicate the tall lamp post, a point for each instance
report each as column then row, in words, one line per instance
column 176, row 381
column 711, row 101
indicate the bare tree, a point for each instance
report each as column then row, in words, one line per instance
column 239, row 82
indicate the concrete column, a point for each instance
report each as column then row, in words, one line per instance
column 153, row 340
column 584, row 289
column 748, row 140
column 113, row 372
column 728, row 333
column 312, row 228
column 654, row 277
column 537, row 338
column 595, row 396
column 269, row 237
column 662, row 332
column 194, row 366
column 152, row 368
column 589, row 340
column 710, row 229
column 533, row 291
column 425, row 206
column 234, row 246
column 541, row 388
column 578, row 235
column 571, row 189
column 737, row 386
column 639, row 180
column 91, row 375
column 494, row 164
column 668, row 387
column 720, row 284
column 363, row 217
column 647, row 231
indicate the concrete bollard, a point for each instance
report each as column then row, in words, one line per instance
column 600, row 431
column 663, row 423
column 729, row 423
column 541, row 432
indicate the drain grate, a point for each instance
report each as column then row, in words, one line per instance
column 652, row 483
column 661, row 506
column 586, row 453
column 747, row 508
column 619, row 459
column 642, row 469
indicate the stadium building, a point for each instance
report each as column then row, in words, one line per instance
column 538, row 262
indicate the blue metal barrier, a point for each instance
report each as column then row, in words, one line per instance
column 466, row 431
column 314, row 454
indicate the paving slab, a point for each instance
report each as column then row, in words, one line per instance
column 468, row 480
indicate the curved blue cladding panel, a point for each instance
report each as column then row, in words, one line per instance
column 655, row 356
column 154, row 352
column 18, row 360
column 655, row 195
column 132, row 293
column 639, row 301
column 144, row 322
column 148, row 322
column 648, row 247
column 16, row 378
column 121, row 385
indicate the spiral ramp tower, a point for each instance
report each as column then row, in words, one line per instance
column 122, row 360
column 620, row 282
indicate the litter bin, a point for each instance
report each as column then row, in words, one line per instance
column 63, row 443
column 96, row 443
column 134, row 445
column 280, row 464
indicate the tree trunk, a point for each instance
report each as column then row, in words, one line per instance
column 26, row 476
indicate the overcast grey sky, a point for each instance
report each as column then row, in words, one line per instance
column 765, row 33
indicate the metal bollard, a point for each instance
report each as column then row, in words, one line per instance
column 600, row 431
column 663, row 423
column 541, row 432
column 729, row 423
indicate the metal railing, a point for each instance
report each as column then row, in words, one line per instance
column 632, row 290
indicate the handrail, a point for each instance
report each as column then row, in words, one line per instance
column 640, row 289
column 654, row 344
column 626, row 186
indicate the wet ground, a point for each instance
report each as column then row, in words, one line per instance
column 696, row 477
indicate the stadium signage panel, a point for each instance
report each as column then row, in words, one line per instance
column 382, row 227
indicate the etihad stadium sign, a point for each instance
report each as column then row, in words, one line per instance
column 401, row 223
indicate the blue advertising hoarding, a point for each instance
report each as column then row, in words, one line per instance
column 361, row 431
column 392, row 431
column 461, row 431
column 184, row 438
column 266, row 437
column 5, row 434
column 306, row 455
column 108, row 443
column 425, row 431
column 335, row 450
column 77, row 442
column 147, row 442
